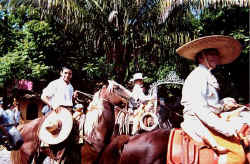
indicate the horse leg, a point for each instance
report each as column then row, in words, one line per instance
column 39, row 159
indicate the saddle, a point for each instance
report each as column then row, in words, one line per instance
column 183, row 150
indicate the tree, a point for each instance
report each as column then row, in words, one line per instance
column 114, row 39
column 231, row 21
column 24, row 46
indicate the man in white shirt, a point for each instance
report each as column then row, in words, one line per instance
column 200, row 91
column 58, row 95
column 138, row 96
column 60, row 92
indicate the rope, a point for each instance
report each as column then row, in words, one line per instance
column 86, row 94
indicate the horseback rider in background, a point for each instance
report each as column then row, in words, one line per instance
column 138, row 92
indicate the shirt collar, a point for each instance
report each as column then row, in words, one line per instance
column 204, row 67
column 62, row 81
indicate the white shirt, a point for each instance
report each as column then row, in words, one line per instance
column 59, row 93
column 138, row 96
column 138, row 93
column 201, row 101
column 200, row 91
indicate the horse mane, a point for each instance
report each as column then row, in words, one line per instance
column 93, row 114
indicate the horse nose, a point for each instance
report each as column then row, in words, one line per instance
column 18, row 144
column 16, row 138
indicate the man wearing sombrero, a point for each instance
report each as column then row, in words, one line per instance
column 138, row 95
column 200, row 90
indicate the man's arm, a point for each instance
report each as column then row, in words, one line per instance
column 45, row 99
column 47, row 93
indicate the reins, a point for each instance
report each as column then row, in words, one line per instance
column 85, row 94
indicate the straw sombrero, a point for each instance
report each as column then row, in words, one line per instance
column 228, row 47
column 137, row 76
column 56, row 127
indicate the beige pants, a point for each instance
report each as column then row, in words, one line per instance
column 198, row 131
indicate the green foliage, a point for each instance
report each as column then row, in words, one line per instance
column 230, row 21
column 26, row 57
column 35, row 42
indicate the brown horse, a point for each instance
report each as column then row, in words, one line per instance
column 155, row 147
column 98, row 129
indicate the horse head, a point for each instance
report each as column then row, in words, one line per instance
column 10, row 137
column 100, row 117
column 116, row 93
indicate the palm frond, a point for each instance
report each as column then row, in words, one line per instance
column 167, row 5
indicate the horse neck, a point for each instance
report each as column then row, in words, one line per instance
column 99, row 123
column 29, row 131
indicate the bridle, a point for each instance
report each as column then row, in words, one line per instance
column 5, row 140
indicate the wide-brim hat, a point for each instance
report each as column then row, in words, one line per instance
column 228, row 47
column 137, row 76
column 65, row 120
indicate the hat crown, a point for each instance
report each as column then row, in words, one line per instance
column 137, row 76
column 56, row 127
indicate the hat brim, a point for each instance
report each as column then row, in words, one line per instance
column 228, row 47
column 132, row 80
column 67, row 123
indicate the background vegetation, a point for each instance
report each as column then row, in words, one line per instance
column 114, row 39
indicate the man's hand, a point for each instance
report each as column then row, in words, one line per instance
column 75, row 94
column 229, row 104
column 57, row 110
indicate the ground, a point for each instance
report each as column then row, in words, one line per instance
column 5, row 157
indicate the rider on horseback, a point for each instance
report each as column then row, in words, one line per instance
column 57, row 95
column 200, row 91
column 60, row 92
column 138, row 95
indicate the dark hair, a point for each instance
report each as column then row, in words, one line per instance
column 65, row 67
column 204, row 51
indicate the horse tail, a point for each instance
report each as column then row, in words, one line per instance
column 112, row 153
column 16, row 157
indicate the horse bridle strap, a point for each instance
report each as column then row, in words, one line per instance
column 122, row 110
column 4, row 131
column 6, row 125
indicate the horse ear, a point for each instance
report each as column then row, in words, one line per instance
column 105, row 82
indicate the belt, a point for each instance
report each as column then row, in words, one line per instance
column 70, row 108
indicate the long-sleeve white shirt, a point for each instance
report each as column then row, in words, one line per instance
column 138, row 93
column 59, row 93
column 200, row 90
column 201, row 101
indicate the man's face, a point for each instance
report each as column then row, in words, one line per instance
column 212, row 58
column 66, row 74
column 139, row 82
